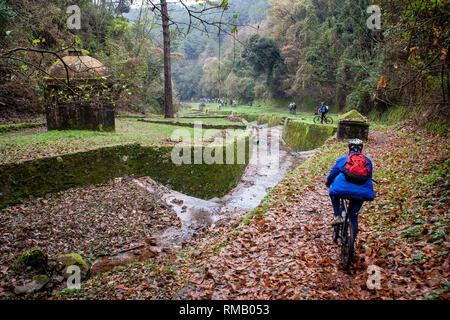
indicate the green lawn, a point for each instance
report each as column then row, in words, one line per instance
column 19, row 146
column 305, row 116
column 209, row 121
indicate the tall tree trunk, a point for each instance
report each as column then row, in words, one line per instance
column 168, row 100
column 139, row 27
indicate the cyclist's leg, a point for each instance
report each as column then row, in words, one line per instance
column 335, row 201
column 354, row 207
column 336, row 204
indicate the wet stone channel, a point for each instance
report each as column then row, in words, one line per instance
column 270, row 161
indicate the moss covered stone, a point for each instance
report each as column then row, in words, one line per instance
column 34, row 259
column 39, row 177
column 73, row 259
column 219, row 112
column 353, row 125
column 353, row 115
column 247, row 116
column 302, row 136
column 270, row 120
column 192, row 124
column 19, row 126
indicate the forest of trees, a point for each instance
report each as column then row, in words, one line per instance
column 135, row 62
column 307, row 50
column 314, row 50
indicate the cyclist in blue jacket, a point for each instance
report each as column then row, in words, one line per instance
column 323, row 111
column 340, row 187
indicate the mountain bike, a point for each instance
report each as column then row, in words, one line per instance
column 318, row 119
column 343, row 233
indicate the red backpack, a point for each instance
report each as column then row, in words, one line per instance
column 357, row 169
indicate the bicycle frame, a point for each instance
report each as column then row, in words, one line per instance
column 344, row 205
column 327, row 119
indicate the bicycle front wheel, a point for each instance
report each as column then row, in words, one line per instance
column 336, row 230
column 317, row 119
column 348, row 244
column 330, row 120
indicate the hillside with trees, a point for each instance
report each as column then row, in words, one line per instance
column 134, row 61
column 308, row 51
column 147, row 152
column 318, row 50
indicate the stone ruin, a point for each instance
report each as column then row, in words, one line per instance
column 87, row 104
column 353, row 125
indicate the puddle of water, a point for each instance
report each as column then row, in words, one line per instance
column 271, row 160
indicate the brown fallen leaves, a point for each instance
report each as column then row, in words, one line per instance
column 285, row 250
column 288, row 253
column 91, row 221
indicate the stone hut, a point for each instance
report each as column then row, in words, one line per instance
column 87, row 104
column 353, row 125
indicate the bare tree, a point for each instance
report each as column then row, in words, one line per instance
column 197, row 20
column 12, row 55
column 168, row 94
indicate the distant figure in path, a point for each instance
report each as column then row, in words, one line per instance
column 234, row 104
column 323, row 111
column 292, row 108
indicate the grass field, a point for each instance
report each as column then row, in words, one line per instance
column 305, row 116
column 21, row 146
column 209, row 121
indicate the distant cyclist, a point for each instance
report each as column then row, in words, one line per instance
column 323, row 111
column 351, row 178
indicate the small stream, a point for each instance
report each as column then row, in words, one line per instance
column 270, row 161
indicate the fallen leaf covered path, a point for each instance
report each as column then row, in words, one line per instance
column 284, row 248
column 286, row 251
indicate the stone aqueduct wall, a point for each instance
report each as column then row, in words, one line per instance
column 302, row 136
column 19, row 181
column 299, row 135
column 4, row 128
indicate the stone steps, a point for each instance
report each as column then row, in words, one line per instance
column 282, row 122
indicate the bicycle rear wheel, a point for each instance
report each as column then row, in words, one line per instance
column 329, row 120
column 348, row 244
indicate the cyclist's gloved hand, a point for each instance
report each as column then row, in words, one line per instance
column 327, row 184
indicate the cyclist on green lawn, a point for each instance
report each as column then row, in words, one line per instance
column 351, row 178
